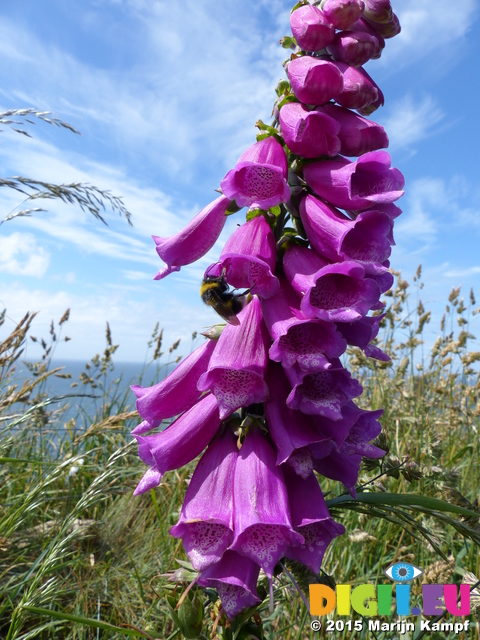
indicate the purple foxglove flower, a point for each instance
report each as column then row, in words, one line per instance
column 176, row 393
column 236, row 371
column 361, row 333
column 357, row 135
column 289, row 430
column 263, row 529
column 206, row 520
column 359, row 90
column 315, row 81
column 310, row 517
column 235, row 578
column 386, row 30
column 309, row 133
column 388, row 207
column 249, row 258
column 338, row 430
column 338, row 466
column 367, row 239
column 356, row 185
column 343, row 13
column 296, row 338
column 378, row 10
column 343, row 464
column 322, row 393
column 365, row 429
column 384, row 281
column 333, row 292
column 373, row 106
column 195, row 240
column 366, row 27
column 179, row 444
column 311, row 28
column 354, row 47
column 301, row 461
column 259, row 179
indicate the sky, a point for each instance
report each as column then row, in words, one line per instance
column 166, row 96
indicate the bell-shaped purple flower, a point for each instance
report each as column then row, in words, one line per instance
column 343, row 13
column 356, row 185
column 386, row 30
column 334, row 292
column 357, row 135
column 176, row 393
column 354, row 47
column 373, row 106
column 235, row 578
column 301, row 461
column 359, row 90
column 338, row 430
column 390, row 209
column 343, row 463
column 263, row 529
column 310, row 517
column 378, row 10
column 309, row 133
column 259, row 179
column 314, row 81
column 195, row 240
column 323, row 393
column 290, row 430
column 237, row 367
column 365, row 27
column 361, row 333
column 296, row 338
column 249, row 258
column 311, row 29
column 179, row 444
column 206, row 520
column 367, row 239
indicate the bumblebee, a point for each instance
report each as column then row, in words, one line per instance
column 215, row 292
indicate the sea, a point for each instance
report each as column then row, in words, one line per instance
column 80, row 402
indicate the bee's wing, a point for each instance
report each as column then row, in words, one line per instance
column 226, row 313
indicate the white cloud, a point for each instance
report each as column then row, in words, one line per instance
column 20, row 255
column 131, row 318
column 408, row 121
column 462, row 273
column 429, row 26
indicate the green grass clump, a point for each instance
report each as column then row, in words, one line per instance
column 81, row 558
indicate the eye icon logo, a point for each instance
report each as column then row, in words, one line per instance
column 402, row 572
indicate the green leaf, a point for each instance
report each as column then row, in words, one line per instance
column 402, row 500
column 88, row 622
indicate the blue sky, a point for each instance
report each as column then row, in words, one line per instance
column 166, row 96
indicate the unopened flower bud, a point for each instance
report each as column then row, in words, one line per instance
column 312, row 30
column 378, row 10
column 315, row 81
column 353, row 47
column 343, row 13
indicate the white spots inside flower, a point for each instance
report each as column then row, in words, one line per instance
column 264, row 544
column 334, row 291
column 304, row 343
column 322, row 390
column 206, row 539
column 301, row 462
column 234, row 598
column 314, row 535
column 261, row 182
column 234, row 388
